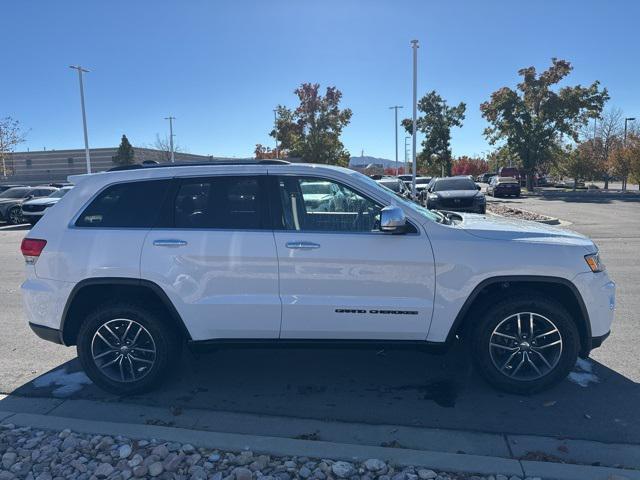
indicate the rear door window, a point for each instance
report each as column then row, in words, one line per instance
column 126, row 205
column 224, row 202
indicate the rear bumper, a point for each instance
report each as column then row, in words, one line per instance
column 47, row 333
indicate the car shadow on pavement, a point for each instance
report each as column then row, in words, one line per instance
column 395, row 387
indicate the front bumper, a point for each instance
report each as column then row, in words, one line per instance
column 596, row 342
column 26, row 213
column 598, row 294
column 477, row 208
column 47, row 333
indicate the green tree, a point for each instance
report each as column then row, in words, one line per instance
column 125, row 154
column 436, row 122
column 312, row 131
column 533, row 119
column 11, row 135
column 577, row 162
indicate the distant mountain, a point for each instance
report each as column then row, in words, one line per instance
column 364, row 161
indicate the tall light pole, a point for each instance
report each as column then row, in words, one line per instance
column 414, row 46
column 87, row 155
column 396, row 107
column 173, row 154
column 275, row 128
column 624, row 139
column 406, row 153
column 624, row 144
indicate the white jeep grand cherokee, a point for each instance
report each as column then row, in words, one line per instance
column 132, row 264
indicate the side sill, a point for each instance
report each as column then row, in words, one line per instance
column 201, row 346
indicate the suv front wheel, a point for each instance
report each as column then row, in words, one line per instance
column 127, row 349
column 525, row 343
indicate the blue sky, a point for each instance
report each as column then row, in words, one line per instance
column 220, row 67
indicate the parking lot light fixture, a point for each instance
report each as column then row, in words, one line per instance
column 84, row 116
column 414, row 46
column 628, row 119
column 171, row 149
column 396, row 107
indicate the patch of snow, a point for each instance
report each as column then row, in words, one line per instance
column 583, row 373
column 584, row 365
column 65, row 384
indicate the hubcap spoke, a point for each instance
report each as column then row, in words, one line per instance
column 126, row 330
column 117, row 358
column 504, row 347
column 515, row 349
column 557, row 342
column 109, row 344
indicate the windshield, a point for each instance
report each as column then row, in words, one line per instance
column 316, row 188
column 454, row 184
column 400, row 200
column 60, row 193
column 17, row 192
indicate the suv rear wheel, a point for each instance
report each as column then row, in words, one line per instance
column 127, row 349
column 525, row 343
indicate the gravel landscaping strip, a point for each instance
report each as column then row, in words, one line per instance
column 506, row 211
column 36, row 454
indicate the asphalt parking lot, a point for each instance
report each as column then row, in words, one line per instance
column 401, row 387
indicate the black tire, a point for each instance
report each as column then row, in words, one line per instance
column 14, row 215
column 483, row 210
column 546, row 309
column 166, row 340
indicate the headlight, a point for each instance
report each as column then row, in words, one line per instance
column 594, row 262
column 433, row 197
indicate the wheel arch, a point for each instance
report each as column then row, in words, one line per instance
column 89, row 293
column 561, row 289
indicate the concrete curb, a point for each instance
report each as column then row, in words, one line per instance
column 547, row 221
column 449, row 462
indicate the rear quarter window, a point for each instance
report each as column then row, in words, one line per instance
column 126, row 205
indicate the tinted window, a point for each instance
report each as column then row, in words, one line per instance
column 454, row 184
column 126, row 205
column 220, row 202
column 339, row 209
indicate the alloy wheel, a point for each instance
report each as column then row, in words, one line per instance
column 15, row 216
column 525, row 346
column 123, row 350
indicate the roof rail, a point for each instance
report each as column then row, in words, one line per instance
column 138, row 166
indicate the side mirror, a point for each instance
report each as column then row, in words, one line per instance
column 478, row 187
column 392, row 220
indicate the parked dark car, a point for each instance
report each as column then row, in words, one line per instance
column 397, row 185
column 512, row 172
column 460, row 194
column 11, row 201
column 503, row 187
column 486, row 177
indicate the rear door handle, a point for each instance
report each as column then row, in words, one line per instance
column 169, row 242
column 302, row 245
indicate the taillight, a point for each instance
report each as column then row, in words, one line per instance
column 31, row 249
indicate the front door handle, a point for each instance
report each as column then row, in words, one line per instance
column 302, row 245
column 169, row 242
